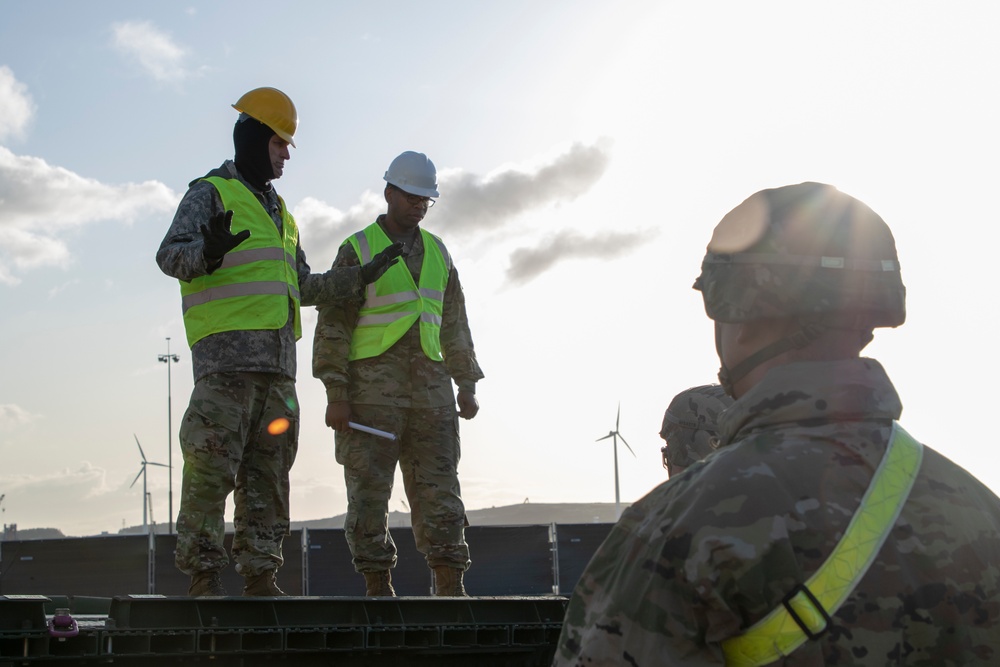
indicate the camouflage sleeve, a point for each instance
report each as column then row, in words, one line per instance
column 456, row 338
column 340, row 282
column 635, row 604
column 181, row 253
column 334, row 329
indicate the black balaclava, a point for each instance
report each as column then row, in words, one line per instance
column 253, row 158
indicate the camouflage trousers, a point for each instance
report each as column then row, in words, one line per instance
column 239, row 435
column 427, row 450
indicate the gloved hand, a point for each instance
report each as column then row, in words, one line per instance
column 380, row 263
column 218, row 239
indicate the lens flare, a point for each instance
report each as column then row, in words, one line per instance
column 278, row 426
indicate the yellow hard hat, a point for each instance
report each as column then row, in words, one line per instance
column 273, row 108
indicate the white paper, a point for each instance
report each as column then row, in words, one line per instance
column 373, row 431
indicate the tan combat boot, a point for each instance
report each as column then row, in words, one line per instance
column 263, row 586
column 379, row 584
column 448, row 582
column 205, row 584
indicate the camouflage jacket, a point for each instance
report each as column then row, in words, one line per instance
column 403, row 376
column 707, row 554
column 180, row 256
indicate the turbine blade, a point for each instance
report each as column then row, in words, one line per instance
column 626, row 444
column 141, row 453
column 141, row 470
column 162, row 465
column 605, row 437
column 619, row 416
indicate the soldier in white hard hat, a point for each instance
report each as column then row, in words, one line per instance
column 388, row 359
column 234, row 247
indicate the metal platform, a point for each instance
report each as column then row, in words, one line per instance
column 153, row 629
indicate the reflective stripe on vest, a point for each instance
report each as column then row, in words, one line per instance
column 806, row 611
column 394, row 302
column 252, row 286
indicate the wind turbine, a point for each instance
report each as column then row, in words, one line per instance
column 142, row 472
column 614, row 435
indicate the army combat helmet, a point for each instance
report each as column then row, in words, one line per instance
column 690, row 425
column 806, row 251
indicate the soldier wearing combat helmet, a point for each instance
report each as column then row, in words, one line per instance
column 689, row 428
column 820, row 532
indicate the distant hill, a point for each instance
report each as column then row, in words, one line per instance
column 523, row 514
column 33, row 534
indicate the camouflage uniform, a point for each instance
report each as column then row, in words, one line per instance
column 243, row 381
column 805, row 273
column 404, row 392
column 690, row 426
column 711, row 551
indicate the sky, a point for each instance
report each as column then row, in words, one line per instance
column 585, row 149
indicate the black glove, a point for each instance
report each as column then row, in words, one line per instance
column 380, row 263
column 218, row 239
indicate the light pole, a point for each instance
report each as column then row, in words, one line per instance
column 169, row 359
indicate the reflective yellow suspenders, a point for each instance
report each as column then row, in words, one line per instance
column 805, row 612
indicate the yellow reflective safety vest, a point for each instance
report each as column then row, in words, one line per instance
column 251, row 289
column 806, row 611
column 394, row 302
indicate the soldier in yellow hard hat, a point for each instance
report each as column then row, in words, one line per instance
column 819, row 532
column 234, row 247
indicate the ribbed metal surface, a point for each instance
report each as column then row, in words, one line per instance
column 510, row 631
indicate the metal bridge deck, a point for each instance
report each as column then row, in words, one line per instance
column 153, row 629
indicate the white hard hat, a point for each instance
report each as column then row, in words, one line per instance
column 413, row 173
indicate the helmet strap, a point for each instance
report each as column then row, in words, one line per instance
column 810, row 329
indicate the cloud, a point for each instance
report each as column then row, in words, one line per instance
column 55, row 291
column 16, row 106
column 6, row 278
column 528, row 263
column 156, row 52
column 86, row 481
column 38, row 202
column 34, row 499
column 471, row 204
column 12, row 416
column 325, row 227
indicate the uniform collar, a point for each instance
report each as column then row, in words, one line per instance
column 823, row 391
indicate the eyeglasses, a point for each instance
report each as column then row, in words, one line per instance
column 413, row 200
